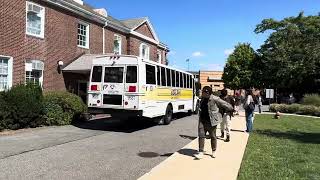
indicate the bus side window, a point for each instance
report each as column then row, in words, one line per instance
column 192, row 84
column 188, row 78
column 96, row 74
column 177, row 79
column 185, row 80
column 150, row 74
column 181, row 79
column 158, row 75
column 190, row 81
column 163, row 77
column 173, row 78
column 168, row 77
column 131, row 76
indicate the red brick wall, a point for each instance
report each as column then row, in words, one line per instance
column 134, row 47
column 145, row 30
column 59, row 43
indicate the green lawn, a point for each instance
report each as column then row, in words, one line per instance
column 285, row 148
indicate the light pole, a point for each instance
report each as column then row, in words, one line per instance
column 188, row 60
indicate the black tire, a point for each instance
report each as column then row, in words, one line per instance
column 167, row 118
column 189, row 113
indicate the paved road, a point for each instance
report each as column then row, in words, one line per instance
column 101, row 149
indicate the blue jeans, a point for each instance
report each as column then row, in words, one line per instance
column 249, row 115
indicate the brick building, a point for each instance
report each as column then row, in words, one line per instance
column 212, row 79
column 37, row 34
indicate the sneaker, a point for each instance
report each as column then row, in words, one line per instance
column 228, row 138
column 199, row 155
column 213, row 155
column 222, row 135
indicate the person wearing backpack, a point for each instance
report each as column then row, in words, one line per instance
column 249, row 106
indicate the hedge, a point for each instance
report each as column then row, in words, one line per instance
column 21, row 107
column 296, row 109
column 25, row 106
column 61, row 108
column 311, row 99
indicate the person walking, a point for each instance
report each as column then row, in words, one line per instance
column 237, row 103
column 249, row 107
column 209, row 118
column 259, row 99
column 225, row 125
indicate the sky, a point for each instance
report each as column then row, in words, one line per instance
column 206, row 31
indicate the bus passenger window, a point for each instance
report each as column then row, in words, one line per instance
column 181, row 79
column 185, row 80
column 158, row 75
column 96, row 74
column 173, row 78
column 168, row 78
column 163, row 76
column 188, row 82
column 150, row 74
column 177, row 79
column 131, row 76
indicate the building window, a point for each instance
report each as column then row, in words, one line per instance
column 5, row 73
column 83, row 35
column 117, row 44
column 35, row 20
column 34, row 72
column 144, row 51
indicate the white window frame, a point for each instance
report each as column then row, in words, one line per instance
column 42, row 70
column 87, row 25
column 118, row 38
column 10, row 71
column 42, row 13
column 147, row 56
column 159, row 56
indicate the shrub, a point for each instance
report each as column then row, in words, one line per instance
column 308, row 110
column 293, row 108
column 23, row 107
column 296, row 108
column 61, row 108
column 311, row 99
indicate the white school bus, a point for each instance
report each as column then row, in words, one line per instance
column 132, row 86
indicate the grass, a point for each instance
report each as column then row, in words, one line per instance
column 285, row 148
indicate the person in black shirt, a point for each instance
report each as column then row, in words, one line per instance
column 209, row 118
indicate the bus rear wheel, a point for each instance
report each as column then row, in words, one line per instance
column 167, row 118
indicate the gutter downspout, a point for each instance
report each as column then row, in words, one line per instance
column 103, row 38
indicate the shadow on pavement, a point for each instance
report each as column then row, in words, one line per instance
column 236, row 130
column 116, row 125
column 153, row 154
column 304, row 137
column 123, row 125
column 188, row 137
column 188, row 152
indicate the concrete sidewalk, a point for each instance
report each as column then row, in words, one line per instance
column 183, row 166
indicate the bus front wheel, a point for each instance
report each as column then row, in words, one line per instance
column 168, row 116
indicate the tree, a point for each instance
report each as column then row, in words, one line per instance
column 290, row 57
column 237, row 73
